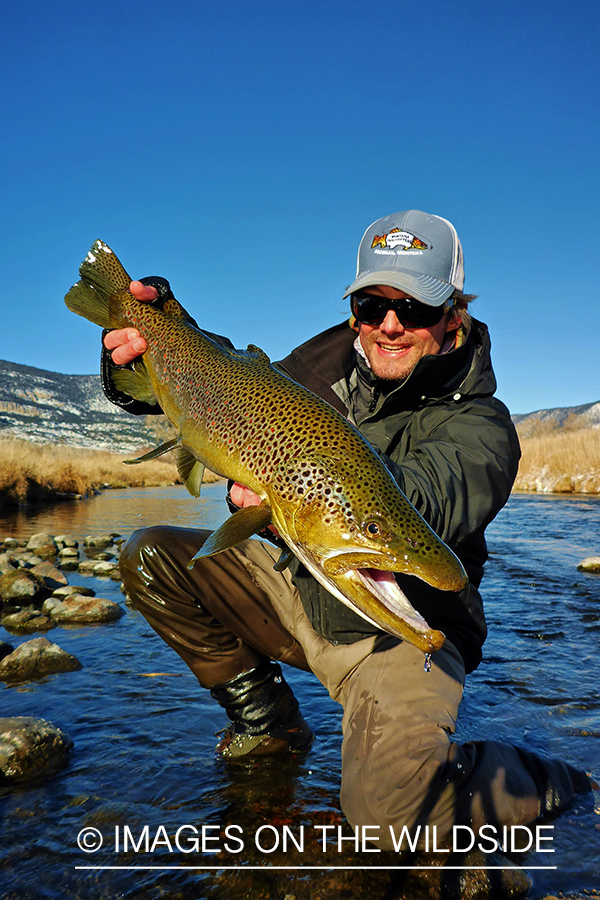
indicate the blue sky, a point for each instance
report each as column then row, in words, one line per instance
column 241, row 149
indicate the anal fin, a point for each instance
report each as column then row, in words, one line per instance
column 190, row 469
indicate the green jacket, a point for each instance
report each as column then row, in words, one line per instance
column 453, row 450
column 448, row 441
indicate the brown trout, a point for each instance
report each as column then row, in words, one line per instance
column 323, row 486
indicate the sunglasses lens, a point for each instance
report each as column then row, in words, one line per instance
column 371, row 310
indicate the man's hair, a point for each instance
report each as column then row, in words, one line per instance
column 460, row 307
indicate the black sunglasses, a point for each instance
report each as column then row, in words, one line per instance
column 371, row 310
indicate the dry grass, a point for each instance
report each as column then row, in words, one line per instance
column 31, row 473
column 561, row 461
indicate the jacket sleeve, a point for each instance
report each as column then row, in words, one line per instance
column 460, row 471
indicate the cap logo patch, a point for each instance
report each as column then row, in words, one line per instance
column 396, row 239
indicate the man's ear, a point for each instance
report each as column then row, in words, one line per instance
column 454, row 321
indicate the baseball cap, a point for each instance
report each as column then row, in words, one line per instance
column 414, row 252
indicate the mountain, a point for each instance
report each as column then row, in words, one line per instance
column 568, row 417
column 46, row 407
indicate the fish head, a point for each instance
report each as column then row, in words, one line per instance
column 353, row 533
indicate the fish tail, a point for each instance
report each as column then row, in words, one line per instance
column 102, row 275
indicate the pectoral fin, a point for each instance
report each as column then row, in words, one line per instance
column 135, row 383
column 191, row 470
column 240, row 526
column 153, row 454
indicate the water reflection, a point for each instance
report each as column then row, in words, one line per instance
column 144, row 732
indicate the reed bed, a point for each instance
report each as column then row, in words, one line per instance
column 33, row 473
column 561, row 461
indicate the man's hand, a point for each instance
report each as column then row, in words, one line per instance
column 127, row 343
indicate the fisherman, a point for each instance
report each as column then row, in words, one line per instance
column 412, row 370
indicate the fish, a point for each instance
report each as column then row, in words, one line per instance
column 321, row 484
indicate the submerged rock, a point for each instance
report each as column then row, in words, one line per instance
column 472, row 877
column 77, row 609
column 31, row 748
column 35, row 659
column 590, row 564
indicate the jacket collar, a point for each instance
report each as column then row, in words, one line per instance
column 330, row 357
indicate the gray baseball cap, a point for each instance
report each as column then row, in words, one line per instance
column 414, row 252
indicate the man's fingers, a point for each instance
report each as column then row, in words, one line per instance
column 143, row 292
column 126, row 345
column 243, row 496
column 121, row 336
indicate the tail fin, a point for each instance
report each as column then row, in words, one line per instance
column 101, row 276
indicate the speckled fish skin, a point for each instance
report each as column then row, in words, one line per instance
column 331, row 497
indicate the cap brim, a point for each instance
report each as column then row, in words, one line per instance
column 425, row 288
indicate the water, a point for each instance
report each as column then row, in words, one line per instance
column 144, row 732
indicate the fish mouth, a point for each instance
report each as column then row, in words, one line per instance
column 374, row 594
column 379, row 599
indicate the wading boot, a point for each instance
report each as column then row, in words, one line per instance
column 265, row 716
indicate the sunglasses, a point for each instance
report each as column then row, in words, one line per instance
column 371, row 310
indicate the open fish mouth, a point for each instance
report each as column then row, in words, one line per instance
column 383, row 589
column 384, row 586
column 374, row 594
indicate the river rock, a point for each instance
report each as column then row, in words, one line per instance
column 93, row 567
column 36, row 541
column 36, row 658
column 69, row 589
column 50, row 575
column 65, row 541
column 77, row 609
column 10, row 543
column 7, row 563
column 27, row 620
column 20, row 585
column 31, row 749
column 68, row 553
column 590, row 564
column 98, row 540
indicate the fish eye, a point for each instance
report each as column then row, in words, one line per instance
column 374, row 527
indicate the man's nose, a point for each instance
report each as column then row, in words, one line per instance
column 391, row 324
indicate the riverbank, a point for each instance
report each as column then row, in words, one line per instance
column 37, row 473
column 557, row 461
column 561, row 461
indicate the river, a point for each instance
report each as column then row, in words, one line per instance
column 144, row 733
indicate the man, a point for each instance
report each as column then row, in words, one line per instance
column 412, row 370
